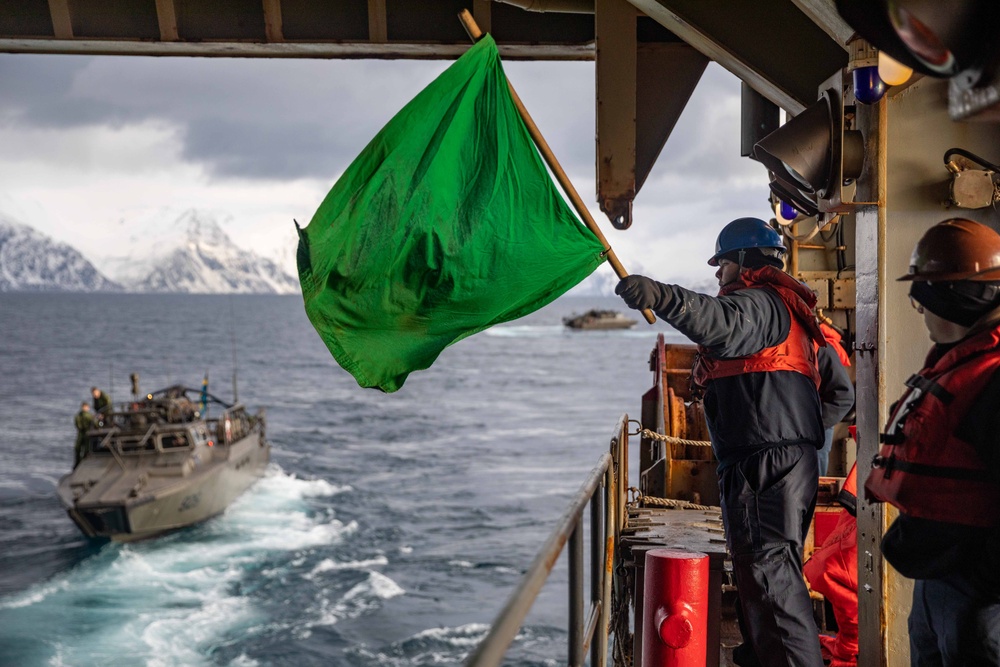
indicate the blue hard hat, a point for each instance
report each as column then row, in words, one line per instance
column 744, row 233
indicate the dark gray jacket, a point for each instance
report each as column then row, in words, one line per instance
column 836, row 392
column 752, row 411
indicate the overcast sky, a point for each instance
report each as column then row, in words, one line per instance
column 95, row 147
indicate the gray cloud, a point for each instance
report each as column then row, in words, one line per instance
column 276, row 119
column 286, row 119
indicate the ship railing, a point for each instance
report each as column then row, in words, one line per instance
column 604, row 491
column 108, row 443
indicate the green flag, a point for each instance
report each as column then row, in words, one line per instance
column 446, row 224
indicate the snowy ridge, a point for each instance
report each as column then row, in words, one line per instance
column 206, row 261
column 602, row 282
column 190, row 253
column 32, row 261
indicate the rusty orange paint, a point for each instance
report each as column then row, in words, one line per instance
column 609, row 554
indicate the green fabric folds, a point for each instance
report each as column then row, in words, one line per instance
column 446, row 224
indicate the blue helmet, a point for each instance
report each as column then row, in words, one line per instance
column 743, row 233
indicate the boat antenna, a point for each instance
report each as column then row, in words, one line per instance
column 232, row 331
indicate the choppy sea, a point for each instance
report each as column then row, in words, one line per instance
column 389, row 529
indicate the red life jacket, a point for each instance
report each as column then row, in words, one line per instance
column 833, row 339
column 796, row 353
column 924, row 469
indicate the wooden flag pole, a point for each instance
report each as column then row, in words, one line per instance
column 475, row 33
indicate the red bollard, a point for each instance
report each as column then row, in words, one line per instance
column 675, row 609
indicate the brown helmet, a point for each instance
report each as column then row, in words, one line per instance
column 956, row 249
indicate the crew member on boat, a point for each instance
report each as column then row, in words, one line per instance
column 757, row 371
column 940, row 461
column 83, row 421
column 102, row 402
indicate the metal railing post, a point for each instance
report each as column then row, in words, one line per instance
column 609, row 557
column 575, row 554
column 597, row 503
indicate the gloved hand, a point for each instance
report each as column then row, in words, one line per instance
column 640, row 292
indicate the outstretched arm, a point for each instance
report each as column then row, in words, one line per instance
column 735, row 325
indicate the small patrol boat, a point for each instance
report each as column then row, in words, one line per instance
column 161, row 463
column 597, row 320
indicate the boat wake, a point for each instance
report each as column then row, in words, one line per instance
column 204, row 595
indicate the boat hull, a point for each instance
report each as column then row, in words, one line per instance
column 130, row 511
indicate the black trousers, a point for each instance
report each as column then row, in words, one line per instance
column 768, row 500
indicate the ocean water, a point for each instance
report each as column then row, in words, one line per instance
column 389, row 530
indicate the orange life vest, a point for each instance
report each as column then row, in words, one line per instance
column 833, row 339
column 796, row 353
column 923, row 468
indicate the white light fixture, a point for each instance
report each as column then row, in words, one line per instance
column 893, row 72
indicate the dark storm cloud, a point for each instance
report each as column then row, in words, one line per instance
column 277, row 119
column 286, row 119
column 37, row 91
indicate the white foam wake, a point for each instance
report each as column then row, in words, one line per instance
column 169, row 602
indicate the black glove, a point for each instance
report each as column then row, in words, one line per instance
column 640, row 292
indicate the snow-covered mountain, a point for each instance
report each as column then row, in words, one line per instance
column 602, row 282
column 32, row 261
column 193, row 254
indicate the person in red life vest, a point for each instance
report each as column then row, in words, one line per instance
column 836, row 391
column 833, row 572
column 757, row 370
column 940, row 459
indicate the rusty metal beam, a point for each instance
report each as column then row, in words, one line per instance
column 642, row 89
column 272, row 21
column 166, row 15
column 62, row 22
column 616, row 46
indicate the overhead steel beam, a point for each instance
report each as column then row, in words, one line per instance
column 787, row 69
column 378, row 22
column 347, row 50
column 482, row 12
column 616, row 44
column 642, row 89
column 166, row 16
column 272, row 21
column 825, row 15
column 557, row 6
column 62, row 22
column 387, row 29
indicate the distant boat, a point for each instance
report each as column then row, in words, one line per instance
column 598, row 320
column 159, row 464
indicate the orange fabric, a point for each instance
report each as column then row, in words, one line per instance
column 923, row 467
column 851, row 483
column 833, row 572
column 833, row 339
column 796, row 353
